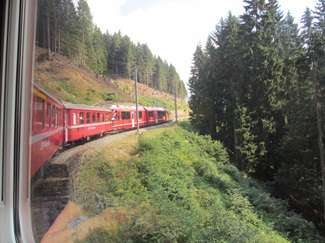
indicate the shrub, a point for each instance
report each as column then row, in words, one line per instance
column 180, row 187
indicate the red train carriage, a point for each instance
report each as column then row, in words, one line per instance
column 162, row 115
column 47, row 127
column 84, row 122
column 156, row 115
column 55, row 124
column 124, row 117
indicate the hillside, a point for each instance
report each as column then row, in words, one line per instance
column 75, row 35
column 75, row 84
column 172, row 185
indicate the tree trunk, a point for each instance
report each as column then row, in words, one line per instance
column 320, row 132
column 48, row 35
column 236, row 142
column 59, row 43
column 55, row 32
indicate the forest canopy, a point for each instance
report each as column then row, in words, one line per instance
column 69, row 30
column 258, row 86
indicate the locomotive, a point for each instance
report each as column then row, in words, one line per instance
column 56, row 123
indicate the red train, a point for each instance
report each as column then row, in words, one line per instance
column 56, row 124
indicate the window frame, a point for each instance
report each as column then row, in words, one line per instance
column 15, row 218
column 3, row 37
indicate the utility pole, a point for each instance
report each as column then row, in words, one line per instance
column 136, row 98
column 175, row 101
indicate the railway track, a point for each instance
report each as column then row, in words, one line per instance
column 53, row 189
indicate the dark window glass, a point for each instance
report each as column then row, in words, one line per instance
column 140, row 114
column 150, row 113
column 161, row 114
column 94, row 117
column 88, row 117
column 126, row 115
column 98, row 117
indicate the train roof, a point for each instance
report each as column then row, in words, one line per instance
column 85, row 107
column 126, row 108
column 155, row 109
column 40, row 88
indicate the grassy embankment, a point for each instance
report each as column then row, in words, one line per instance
column 172, row 185
column 74, row 84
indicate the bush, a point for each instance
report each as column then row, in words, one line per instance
column 180, row 187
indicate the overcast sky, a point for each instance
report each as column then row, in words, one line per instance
column 173, row 28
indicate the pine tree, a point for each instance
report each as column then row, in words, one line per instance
column 85, row 27
column 318, row 76
column 195, row 86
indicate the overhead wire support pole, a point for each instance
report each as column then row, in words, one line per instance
column 136, row 98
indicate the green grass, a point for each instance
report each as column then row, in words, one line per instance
column 180, row 187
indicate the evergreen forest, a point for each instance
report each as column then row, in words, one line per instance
column 68, row 29
column 257, row 85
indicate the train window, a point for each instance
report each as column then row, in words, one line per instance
column 53, row 116
column 39, row 114
column 126, row 115
column 98, row 117
column 56, row 118
column 161, row 114
column 150, row 113
column 140, row 114
column 49, row 114
column 94, row 117
column 88, row 117
column 103, row 117
column 116, row 116
column 74, row 118
column 81, row 117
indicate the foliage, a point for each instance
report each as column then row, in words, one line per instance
column 68, row 30
column 255, row 87
column 180, row 187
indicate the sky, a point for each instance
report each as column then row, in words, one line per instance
column 173, row 28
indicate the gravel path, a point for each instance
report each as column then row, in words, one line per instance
column 67, row 155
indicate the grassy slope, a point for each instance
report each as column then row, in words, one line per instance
column 176, row 186
column 73, row 84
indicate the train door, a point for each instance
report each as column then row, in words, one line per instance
column 132, row 118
